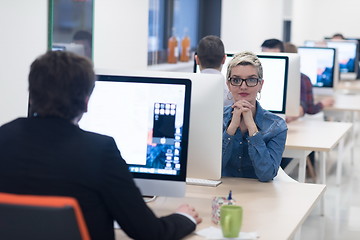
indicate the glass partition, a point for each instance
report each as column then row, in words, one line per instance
column 71, row 26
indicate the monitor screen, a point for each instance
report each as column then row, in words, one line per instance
column 70, row 47
column 148, row 117
column 318, row 63
column 274, row 91
column 347, row 55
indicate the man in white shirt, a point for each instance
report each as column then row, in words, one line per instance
column 210, row 57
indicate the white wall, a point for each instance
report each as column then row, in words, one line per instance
column 23, row 27
column 121, row 30
column 120, row 34
column 315, row 19
column 120, row 42
column 246, row 24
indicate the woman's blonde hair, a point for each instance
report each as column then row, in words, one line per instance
column 245, row 58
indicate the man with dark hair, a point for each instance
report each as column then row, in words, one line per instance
column 272, row 45
column 338, row 36
column 210, row 56
column 52, row 88
column 48, row 154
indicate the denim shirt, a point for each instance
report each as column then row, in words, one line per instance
column 258, row 156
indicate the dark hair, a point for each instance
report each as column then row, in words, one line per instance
column 290, row 47
column 59, row 83
column 273, row 43
column 83, row 35
column 338, row 35
column 210, row 51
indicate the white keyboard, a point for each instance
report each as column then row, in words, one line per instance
column 202, row 182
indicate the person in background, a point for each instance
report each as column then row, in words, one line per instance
column 210, row 56
column 253, row 138
column 338, row 36
column 48, row 154
column 272, row 45
column 84, row 38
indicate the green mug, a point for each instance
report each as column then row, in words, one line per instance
column 231, row 220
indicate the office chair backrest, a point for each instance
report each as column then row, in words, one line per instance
column 283, row 177
column 41, row 217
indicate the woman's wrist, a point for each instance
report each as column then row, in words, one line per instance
column 254, row 134
column 253, row 131
column 231, row 129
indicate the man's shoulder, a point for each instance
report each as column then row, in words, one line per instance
column 12, row 124
column 96, row 136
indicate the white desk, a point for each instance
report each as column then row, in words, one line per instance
column 305, row 136
column 347, row 104
column 274, row 210
column 351, row 86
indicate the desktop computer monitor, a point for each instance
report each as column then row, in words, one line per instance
column 274, row 91
column 320, row 65
column 70, row 47
column 148, row 117
column 348, row 58
column 293, row 82
column 206, row 119
column 281, row 91
column 347, row 55
column 206, row 123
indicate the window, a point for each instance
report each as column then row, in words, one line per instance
column 157, row 34
column 177, row 18
column 195, row 18
column 70, row 26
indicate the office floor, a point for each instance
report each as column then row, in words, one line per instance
column 342, row 205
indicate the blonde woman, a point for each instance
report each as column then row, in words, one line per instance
column 253, row 138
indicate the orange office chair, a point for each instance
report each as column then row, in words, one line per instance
column 41, row 217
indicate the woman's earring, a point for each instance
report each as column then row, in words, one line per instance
column 229, row 96
column 258, row 96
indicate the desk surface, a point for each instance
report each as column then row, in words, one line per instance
column 274, row 210
column 315, row 135
column 346, row 102
column 349, row 86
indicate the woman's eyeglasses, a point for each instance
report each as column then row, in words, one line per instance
column 250, row 82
